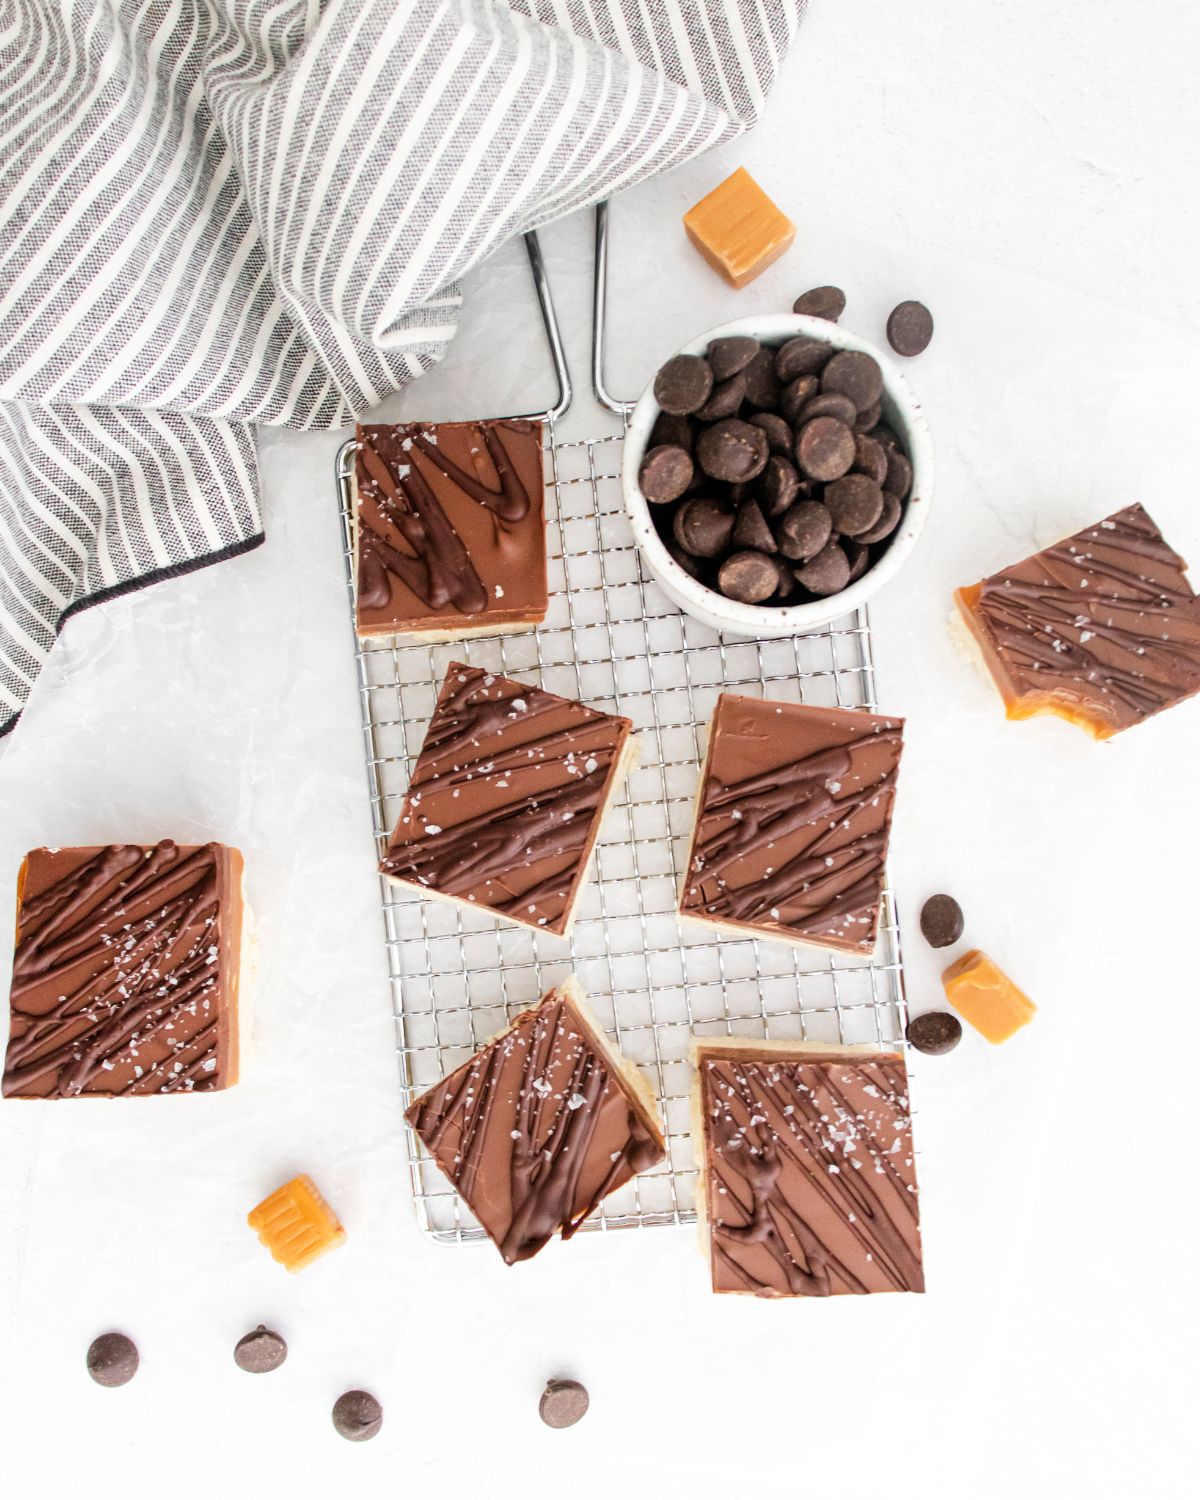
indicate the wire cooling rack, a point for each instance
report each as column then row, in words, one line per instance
column 613, row 639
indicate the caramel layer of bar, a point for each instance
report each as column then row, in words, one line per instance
column 126, row 971
column 986, row 997
column 737, row 228
column 450, row 528
column 807, row 1180
column 1102, row 629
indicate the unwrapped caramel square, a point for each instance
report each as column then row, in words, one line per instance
column 296, row 1224
column 984, row 995
column 737, row 228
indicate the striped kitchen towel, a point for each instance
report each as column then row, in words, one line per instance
column 217, row 213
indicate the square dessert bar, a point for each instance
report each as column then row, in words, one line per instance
column 450, row 529
column 807, row 1183
column 541, row 1124
column 1102, row 629
column 127, row 973
column 506, row 799
column 793, row 814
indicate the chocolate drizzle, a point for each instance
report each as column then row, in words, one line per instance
column 407, row 536
column 798, row 846
column 811, row 1188
column 1104, row 621
column 504, row 803
column 116, row 977
column 536, row 1129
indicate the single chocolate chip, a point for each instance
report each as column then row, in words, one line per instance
column 899, row 474
column 762, row 384
column 748, row 577
column 855, row 375
column 672, row 432
column 867, row 419
column 825, row 448
column 689, row 564
column 780, row 485
column 683, row 384
column 779, row 434
column 884, row 434
column 703, row 526
column 730, row 356
column 804, row 530
column 665, row 473
column 794, row 397
column 941, row 921
column 751, row 529
column 112, row 1359
column 887, row 522
column 936, row 1032
column 357, row 1416
column 787, row 581
column 732, row 450
column 858, row 555
column 828, row 302
column 827, row 573
column 870, row 458
column 855, row 503
column 563, row 1403
column 725, row 400
column 260, row 1352
column 800, row 356
column 840, row 407
column 909, row 328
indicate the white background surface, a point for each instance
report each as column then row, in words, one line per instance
column 925, row 150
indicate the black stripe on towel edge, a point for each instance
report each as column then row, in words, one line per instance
column 145, row 581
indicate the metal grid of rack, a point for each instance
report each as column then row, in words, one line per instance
column 613, row 639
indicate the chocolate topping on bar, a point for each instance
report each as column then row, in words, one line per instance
column 536, row 1129
column 450, row 523
column 1105, row 622
column 503, row 804
column 811, row 1187
column 117, row 972
column 794, row 842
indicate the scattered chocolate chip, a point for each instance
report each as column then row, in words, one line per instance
column 732, row 450
column 828, row 405
column 870, row 458
column 748, row 577
column 563, row 1403
column 899, row 474
column 665, row 474
column 730, row 356
column 725, row 400
column 867, row 419
column 762, row 383
column 672, row 432
column 825, row 448
column 703, row 527
column 858, row 555
column 750, row 530
column 804, row 530
column 941, row 921
column 828, row 302
column 887, row 522
column 910, row 328
column 936, row 1032
column 800, row 356
column 796, row 396
column 112, row 1359
column 683, row 384
column 827, row 573
column 260, row 1352
column 855, row 503
column 779, row 435
column 357, row 1416
column 855, row 375
column 780, row 486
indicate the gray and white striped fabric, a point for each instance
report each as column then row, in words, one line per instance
column 217, row 213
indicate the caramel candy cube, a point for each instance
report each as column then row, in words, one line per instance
column 987, row 997
column 737, row 228
column 296, row 1224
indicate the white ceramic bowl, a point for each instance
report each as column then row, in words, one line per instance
column 901, row 412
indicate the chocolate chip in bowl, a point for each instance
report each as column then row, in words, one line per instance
column 811, row 473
